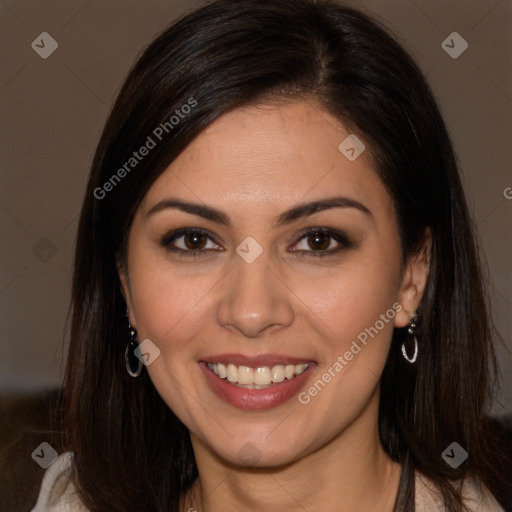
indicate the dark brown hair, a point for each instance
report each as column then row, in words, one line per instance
column 131, row 452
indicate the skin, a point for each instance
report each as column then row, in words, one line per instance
column 253, row 164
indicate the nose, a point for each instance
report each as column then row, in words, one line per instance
column 254, row 301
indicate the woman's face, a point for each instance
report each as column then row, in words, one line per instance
column 260, row 250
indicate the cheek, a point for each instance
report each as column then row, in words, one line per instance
column 171, row 311
column 169, row 308
column 354, row 313
column 351, row 298
column 169, row 300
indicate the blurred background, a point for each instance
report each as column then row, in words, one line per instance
column 61, row 65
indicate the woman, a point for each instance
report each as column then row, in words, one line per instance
column 277, row 300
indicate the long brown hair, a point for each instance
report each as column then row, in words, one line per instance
column 131, row 452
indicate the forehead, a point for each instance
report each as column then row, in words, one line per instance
column 269, row 156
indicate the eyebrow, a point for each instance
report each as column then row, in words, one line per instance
column 287, row 217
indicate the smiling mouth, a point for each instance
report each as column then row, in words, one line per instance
column 261, row 377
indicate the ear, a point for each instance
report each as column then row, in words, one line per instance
column 414, row 280
column 124, row 278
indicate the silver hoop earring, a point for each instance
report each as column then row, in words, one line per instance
column 411, row 329
column 129, row 353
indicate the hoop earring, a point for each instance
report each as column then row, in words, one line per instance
column 411, row 329
column 129, row 352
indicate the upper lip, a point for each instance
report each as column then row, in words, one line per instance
column 255, row 361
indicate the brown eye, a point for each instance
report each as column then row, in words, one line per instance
column 322, row 242
column 195, row 241
column 190, row 241
column 319, row 241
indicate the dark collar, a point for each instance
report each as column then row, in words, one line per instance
column 405, row 497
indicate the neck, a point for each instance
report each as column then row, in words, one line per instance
column 351, row 472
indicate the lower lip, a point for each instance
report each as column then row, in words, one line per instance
column 255, row 399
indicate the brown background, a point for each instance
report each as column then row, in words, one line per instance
column 52, row 111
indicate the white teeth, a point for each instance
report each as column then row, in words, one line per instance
column 222, row 370
column 277, row 373
column 232, row 373
column 300, row 368
column 245, row 375
column 257, row 378
column 262, row 376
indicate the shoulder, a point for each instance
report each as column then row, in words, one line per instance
column 477, row 498
column 57, row 492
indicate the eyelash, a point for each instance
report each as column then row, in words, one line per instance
column 339, row 237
